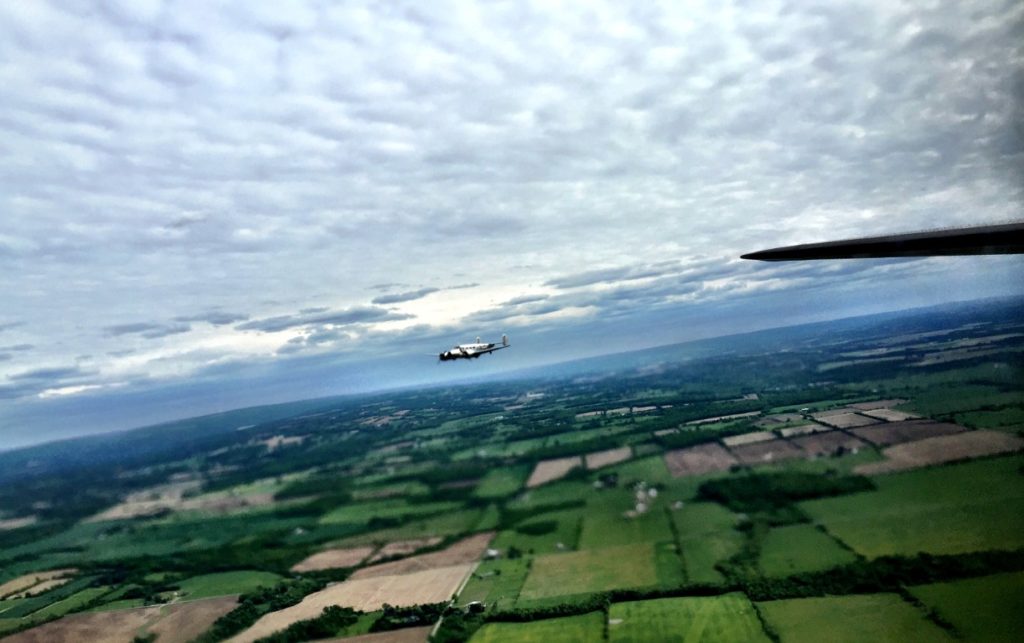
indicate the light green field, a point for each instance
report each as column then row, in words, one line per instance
column 879, row 618
column 496, row 583
column 552, row 493
column 586, row 627
column 443, row 524
column 567, row 533
column 668, row 565
column 591, row 570
column 502, row 481
column 974, row 506
column 981, row 609
column 698, row 518
column 800, row 548
column 702, row 553
column 9, row 624
column 651, row 470
column 719, row 618
column 604, row 524
column 413, row 488
column 362, row 513
column 224, row 583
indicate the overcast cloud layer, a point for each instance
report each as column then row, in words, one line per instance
column 208, row 205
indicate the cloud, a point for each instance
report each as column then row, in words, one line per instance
column 348, row 317
column 617, row 156
column 17, row 347
column 216, row 318
column 609, row 275
column 400, row 297
column 148, row 330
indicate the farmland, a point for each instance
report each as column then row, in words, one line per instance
column 717, row 497
column 865, row 617
column 981, row 609
column 729, row 617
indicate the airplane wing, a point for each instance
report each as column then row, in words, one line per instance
column 980, row 240
column 491, row 349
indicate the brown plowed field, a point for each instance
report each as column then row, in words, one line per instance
column 765, row 452
column 175, row 623
column 467, row 550
column 549, row 470
column 367, row 594
column 403, row 547
column 891, row 415
column 698, row 460
column 845, row 420
column 909, row 431
column 748, row 438
column 803, row 429
column 333, row 559
column 605, row 458
column 945, row 448
column 26, row 581
column 829, row 443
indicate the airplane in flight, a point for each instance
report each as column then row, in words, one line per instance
column 1001, row 239
column 467, row 351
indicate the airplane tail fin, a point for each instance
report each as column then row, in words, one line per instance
column 504, row 340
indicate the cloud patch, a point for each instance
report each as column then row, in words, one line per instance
column 347, row 317
column 400, row 297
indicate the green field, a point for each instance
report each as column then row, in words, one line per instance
column 604, row 524
column 720, row 618
column 224, row 583
column 1010, row 417
column 702, row 553
column 502, row 481
column 591, row 570
column 443, row 524
column 671, row 572
column 651, row 470
column 990, row 608
column 553, row 493
column 571, row 629
column 698, row 518
column 879, row 618
column 800, row 548
column 496, row 583
column 73, row 602
column 566, row 533
column 362, row 513
column 974, row 506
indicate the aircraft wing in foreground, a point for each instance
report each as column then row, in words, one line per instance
column 1007, row 238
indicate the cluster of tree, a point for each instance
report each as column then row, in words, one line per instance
column 457, row 626
column 395, row 618
column 330, row 622
column 885, row 574
column 538, row 528
column 757, row 492
column 253, row 605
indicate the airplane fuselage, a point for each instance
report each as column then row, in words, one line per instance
column 471, row 351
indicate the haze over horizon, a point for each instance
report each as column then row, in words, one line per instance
column 217, row 206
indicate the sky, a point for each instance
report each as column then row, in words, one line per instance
column 210, row 205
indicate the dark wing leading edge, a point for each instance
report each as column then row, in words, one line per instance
column 982, row 240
